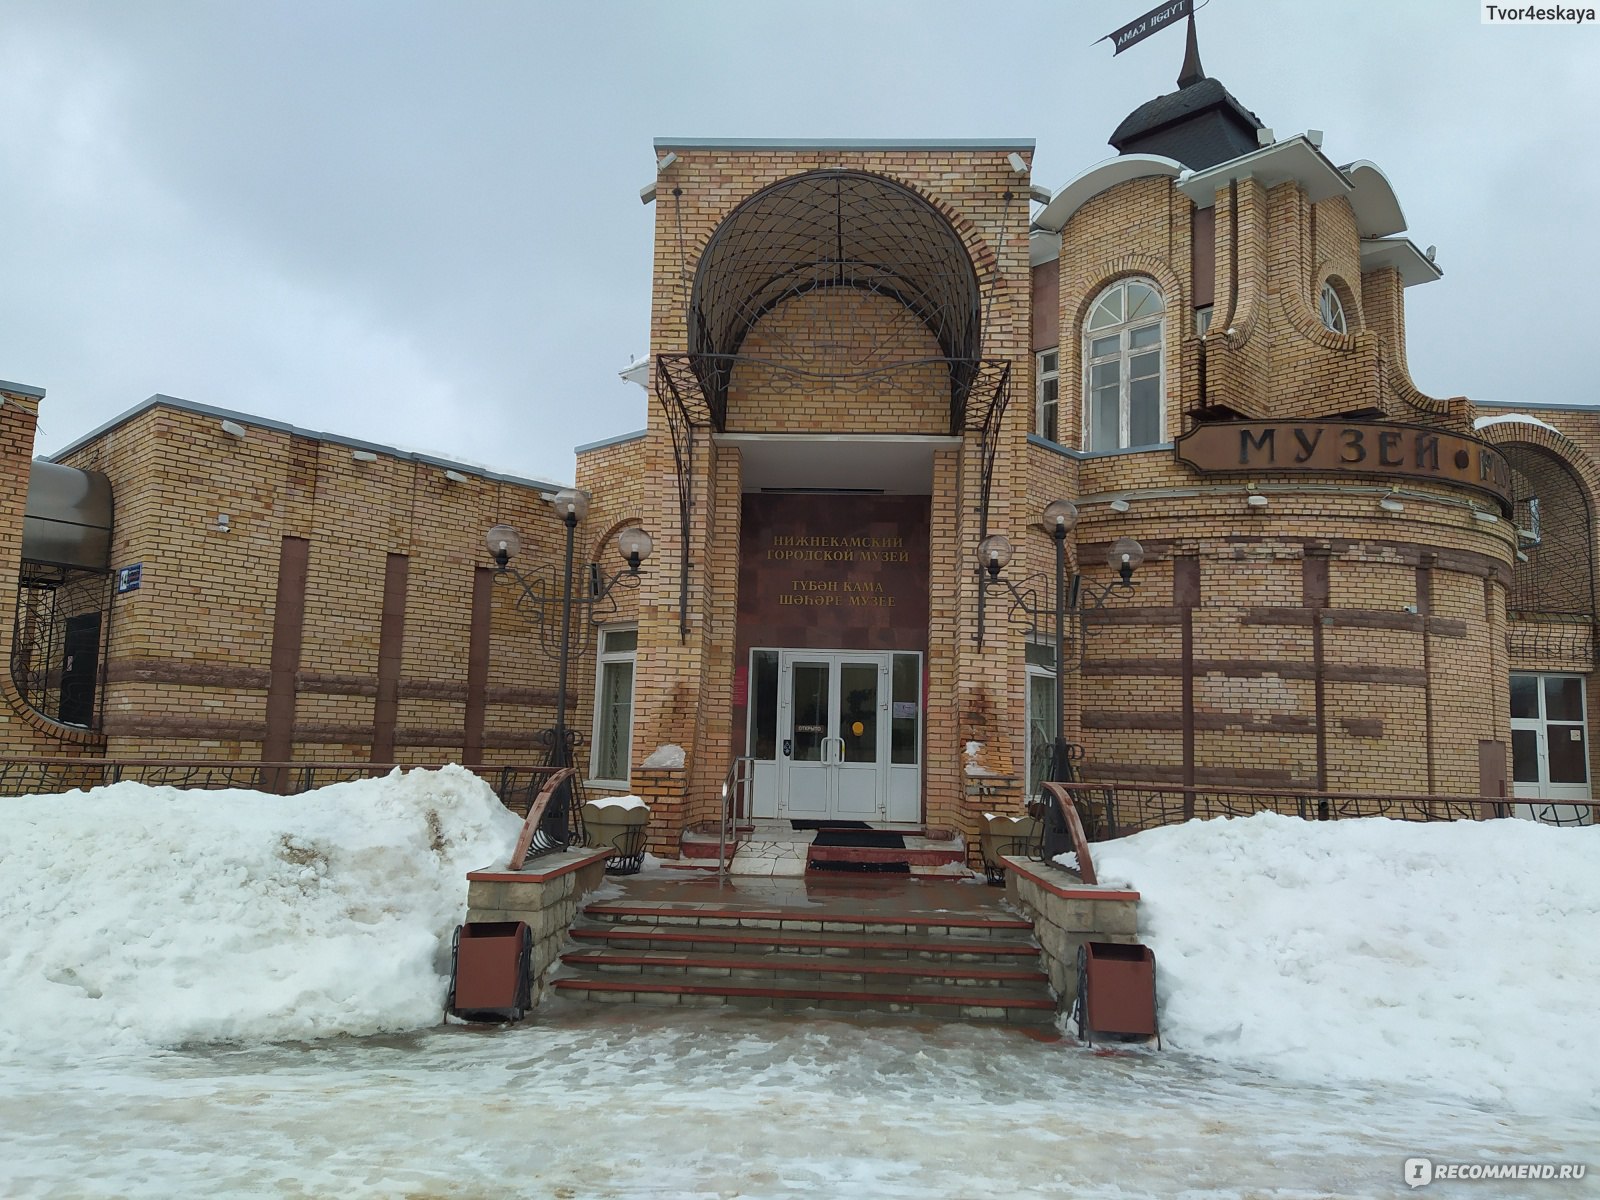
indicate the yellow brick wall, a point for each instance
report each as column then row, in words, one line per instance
column 189, row 652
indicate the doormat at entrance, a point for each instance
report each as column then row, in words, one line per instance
column 867, row 868
column 876, row 839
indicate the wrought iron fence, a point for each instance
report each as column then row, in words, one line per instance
column 515, row 786
column 1116, row 810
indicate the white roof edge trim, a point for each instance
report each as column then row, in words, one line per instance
column 1402, row 254
column 1513, row 419
column 1377, row 208
column 1089, row 183
column 1293, row 158
column 1043, row 247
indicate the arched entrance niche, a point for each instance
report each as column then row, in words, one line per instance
column 837, row 282
column 1551, row 628
column 1551, row 601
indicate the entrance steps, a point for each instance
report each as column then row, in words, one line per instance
column 881, row 950
column 775, row 848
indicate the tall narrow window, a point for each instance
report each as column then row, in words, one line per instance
column 1049, row 376
column 1333, row 309
column 613, row 705
column 1123, row 383
column 1042, row 724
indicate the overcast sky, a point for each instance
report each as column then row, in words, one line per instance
column 419, row 223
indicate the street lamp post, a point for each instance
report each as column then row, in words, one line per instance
column 540, row 596
column 995, row 553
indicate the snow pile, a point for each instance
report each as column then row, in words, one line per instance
column 148, row 916
column 1455, row 955
column 621, row 803
column 972, row 753
column 669, row 756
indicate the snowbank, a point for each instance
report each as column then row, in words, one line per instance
column 1460, row 956
column 138, row 916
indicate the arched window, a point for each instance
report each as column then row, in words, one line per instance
column 1333, row 309
column 1122, row 367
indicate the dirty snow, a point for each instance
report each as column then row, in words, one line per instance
column 147, row 916
column 221, row 993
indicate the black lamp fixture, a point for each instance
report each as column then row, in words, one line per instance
column 1072, row 598
column 542, row 596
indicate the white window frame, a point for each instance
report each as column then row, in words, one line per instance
column 1122, row 358
column 1331, row 309
column 604, row 658
column 1044, row 377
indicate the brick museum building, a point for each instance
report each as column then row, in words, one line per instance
column 867, row 358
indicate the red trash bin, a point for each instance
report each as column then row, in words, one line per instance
column 489, row 974
column 1116, row 990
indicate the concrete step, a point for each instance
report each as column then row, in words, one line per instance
column 791, row 967
column 1022, row 1006
column 836, row 920
column 646, row 936
column 927, row 949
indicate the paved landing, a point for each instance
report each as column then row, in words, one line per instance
column 886, row 899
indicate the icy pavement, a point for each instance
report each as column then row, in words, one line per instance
column 632, row 1102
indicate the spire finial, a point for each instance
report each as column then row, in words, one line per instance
column 1192, row 71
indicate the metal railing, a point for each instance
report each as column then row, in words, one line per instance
column 735, row 808
column 515, row 786
column 1116, row 810
column 1061, row 829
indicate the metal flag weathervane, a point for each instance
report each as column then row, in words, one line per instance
column 1153, row 21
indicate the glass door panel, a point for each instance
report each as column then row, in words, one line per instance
column 858, row 711
column 1550, row 747
column 809, row 700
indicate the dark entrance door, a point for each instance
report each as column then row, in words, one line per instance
column 80, row 665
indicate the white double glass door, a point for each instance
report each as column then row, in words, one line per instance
column 833, row 734
column 1549, row 747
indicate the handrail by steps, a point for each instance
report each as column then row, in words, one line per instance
column 735, row 806
column 1066, row 812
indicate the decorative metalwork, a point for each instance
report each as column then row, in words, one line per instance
column 516, row 787
column 832, row 229
column 540, row 597
column 1551, row 602
column 1032, row 603
column 678, row 390
column 62, row 619
column 1116, row 810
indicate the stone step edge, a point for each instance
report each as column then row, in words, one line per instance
column 816, row 963
column 930, row 855
column 729, row 918
column 770, row 939
column 885, row 854
column 963, row 999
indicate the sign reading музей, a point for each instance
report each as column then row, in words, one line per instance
column 1388, row 451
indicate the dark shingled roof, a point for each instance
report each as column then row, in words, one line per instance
column 1199, row 125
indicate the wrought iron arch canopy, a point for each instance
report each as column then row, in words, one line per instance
column 1552, row 599
column 828, row 229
